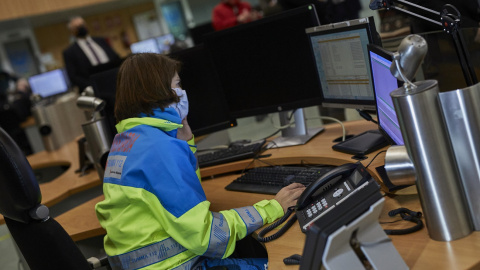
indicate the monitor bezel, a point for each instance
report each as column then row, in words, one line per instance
column 389, row 56
column 366, row 23
column 286, row 105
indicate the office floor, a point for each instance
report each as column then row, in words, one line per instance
column 9, row 259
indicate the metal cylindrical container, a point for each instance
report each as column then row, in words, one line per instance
column 461, row 111
column 427, row 142
column 399, row 166
column 99, row 142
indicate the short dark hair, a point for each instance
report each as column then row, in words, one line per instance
column 144, row 83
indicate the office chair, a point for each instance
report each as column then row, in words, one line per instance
column 42, row 241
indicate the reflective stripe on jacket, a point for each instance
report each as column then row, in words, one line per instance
column 155, row 211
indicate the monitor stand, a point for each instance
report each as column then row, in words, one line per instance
column 297, row 135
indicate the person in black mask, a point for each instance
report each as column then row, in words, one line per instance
column 87, row 55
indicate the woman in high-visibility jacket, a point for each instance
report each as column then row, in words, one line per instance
column 155, row 211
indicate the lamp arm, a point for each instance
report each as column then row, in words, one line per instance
column 450, row 23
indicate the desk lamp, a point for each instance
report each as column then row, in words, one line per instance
column 428, row 146
column 450, row 19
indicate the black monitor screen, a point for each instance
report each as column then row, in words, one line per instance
column 266, row 66
column 49, row 83
column 104, row 86
column 208, row 110
column 341, row 59
column 383, row 84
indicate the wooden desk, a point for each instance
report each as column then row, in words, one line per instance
column 417, row 249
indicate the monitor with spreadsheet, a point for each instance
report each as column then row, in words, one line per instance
column 383, row 84
column 266, row 66
column 49, row 83
column 341, row 60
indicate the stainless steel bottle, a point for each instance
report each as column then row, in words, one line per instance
column 427, row 142
column 461, row 111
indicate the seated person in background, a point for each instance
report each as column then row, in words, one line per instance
column 86, row 53
column 229, row 13
column 15, row 107
column 155, row 211
column 21, row 99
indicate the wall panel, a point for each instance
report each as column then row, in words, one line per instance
column 14, row 9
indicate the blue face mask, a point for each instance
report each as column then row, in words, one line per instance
column 182, row 106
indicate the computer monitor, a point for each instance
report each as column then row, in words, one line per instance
column 165, row 42
column 341, row 60
column 208, row 109
column 266, row 66
column 50, row 83
column 383, row 84
column 147, row 45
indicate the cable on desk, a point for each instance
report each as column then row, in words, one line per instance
column 407, row 215
column 292, row 260
column 279, row 128
column 366, row 116
column 375, row 158
column 259, row 159
column 285, row 126
column 290, row 211
column 338, row 121
column 334, row 120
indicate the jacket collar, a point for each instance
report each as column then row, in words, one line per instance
column 165, row 120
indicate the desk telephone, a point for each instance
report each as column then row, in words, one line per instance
column 323, row 196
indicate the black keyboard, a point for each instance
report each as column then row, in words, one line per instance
column 230, row 154
column 269, row 180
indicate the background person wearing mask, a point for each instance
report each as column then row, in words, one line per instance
column 83, row 57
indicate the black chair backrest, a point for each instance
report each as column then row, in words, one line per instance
column 42, row 241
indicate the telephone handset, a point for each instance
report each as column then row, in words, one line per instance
column 321, row 197
column 320, row 185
